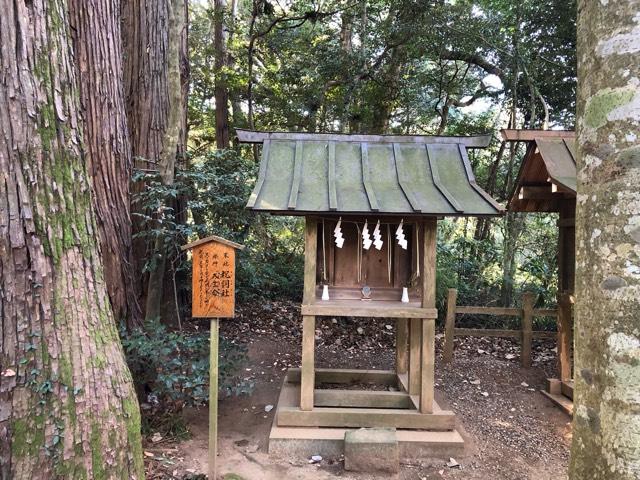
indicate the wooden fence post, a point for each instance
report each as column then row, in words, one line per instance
column 528, row 300
column 449, row 325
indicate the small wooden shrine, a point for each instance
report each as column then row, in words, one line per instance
column 547, row 183
column 371, row 205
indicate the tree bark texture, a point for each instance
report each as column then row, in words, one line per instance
column 156, row 76
column 96, row 36
column 221, row 63
column 67, row 402
column 606, row 425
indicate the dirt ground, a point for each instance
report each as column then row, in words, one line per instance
column 512, row 432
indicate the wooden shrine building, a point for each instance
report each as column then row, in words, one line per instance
column 547, row 183
column 371, row 205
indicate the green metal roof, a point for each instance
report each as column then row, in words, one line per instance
column 559, row 157
column 550, row 161
column 303, row 173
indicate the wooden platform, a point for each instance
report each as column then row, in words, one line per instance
column 377, row 309
column 560, row 393
column 321, row 431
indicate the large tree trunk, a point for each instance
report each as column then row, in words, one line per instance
column 606, row 435
column 96, row 35
column 221, row 60
column 154, row 36
column 67, row 403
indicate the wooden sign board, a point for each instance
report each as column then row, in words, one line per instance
column 213, row 296
column 213, row 283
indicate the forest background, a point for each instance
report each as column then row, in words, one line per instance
column 403, row 67
column 390, row 67
column 121, row 149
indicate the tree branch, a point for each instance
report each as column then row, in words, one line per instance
column 473, row 59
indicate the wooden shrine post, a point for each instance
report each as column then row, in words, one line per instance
column 430, row 232
column 213, row 296
column 307, row 379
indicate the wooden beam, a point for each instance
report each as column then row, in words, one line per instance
column 450, row 323
column 365, row 417
column 554, row 386
column 402, row 345
column 248, row 136
column 361, row 399
column 310, row 256
column 561, row 401
column 565, row 338
column 566, row 222
column 403, row 382
column 347, row 376
column 486, row 332
column 538, row 192
column 494, row 332
column 429, row 239
column 515, row 135
column 566, row 387
column 543, row 334
column 415, row 347
column 373, row 308
column 307, row 381
column 428, row 364
column 307, row 376
column 489, row 310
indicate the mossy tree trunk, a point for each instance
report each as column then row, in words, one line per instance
column 606, row 437
column 95, row 29
column 67, row 403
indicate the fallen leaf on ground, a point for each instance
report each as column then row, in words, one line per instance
column 452, row 463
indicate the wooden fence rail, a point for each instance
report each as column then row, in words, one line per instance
column 526, row 332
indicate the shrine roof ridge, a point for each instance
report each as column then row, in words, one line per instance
column 308, row 173
column 473, row 141
column 212, row 238
column 548, row 174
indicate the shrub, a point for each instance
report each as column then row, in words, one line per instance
column 170, row 369
column 212, row 193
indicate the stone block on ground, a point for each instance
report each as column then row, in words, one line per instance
column 371, row 450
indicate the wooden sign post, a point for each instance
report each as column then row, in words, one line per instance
column 213, row 296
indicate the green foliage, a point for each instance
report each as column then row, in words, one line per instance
column 408, row 67
column 272, row 265
column 404, row 66
column 171, row 368
column 208, row 198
